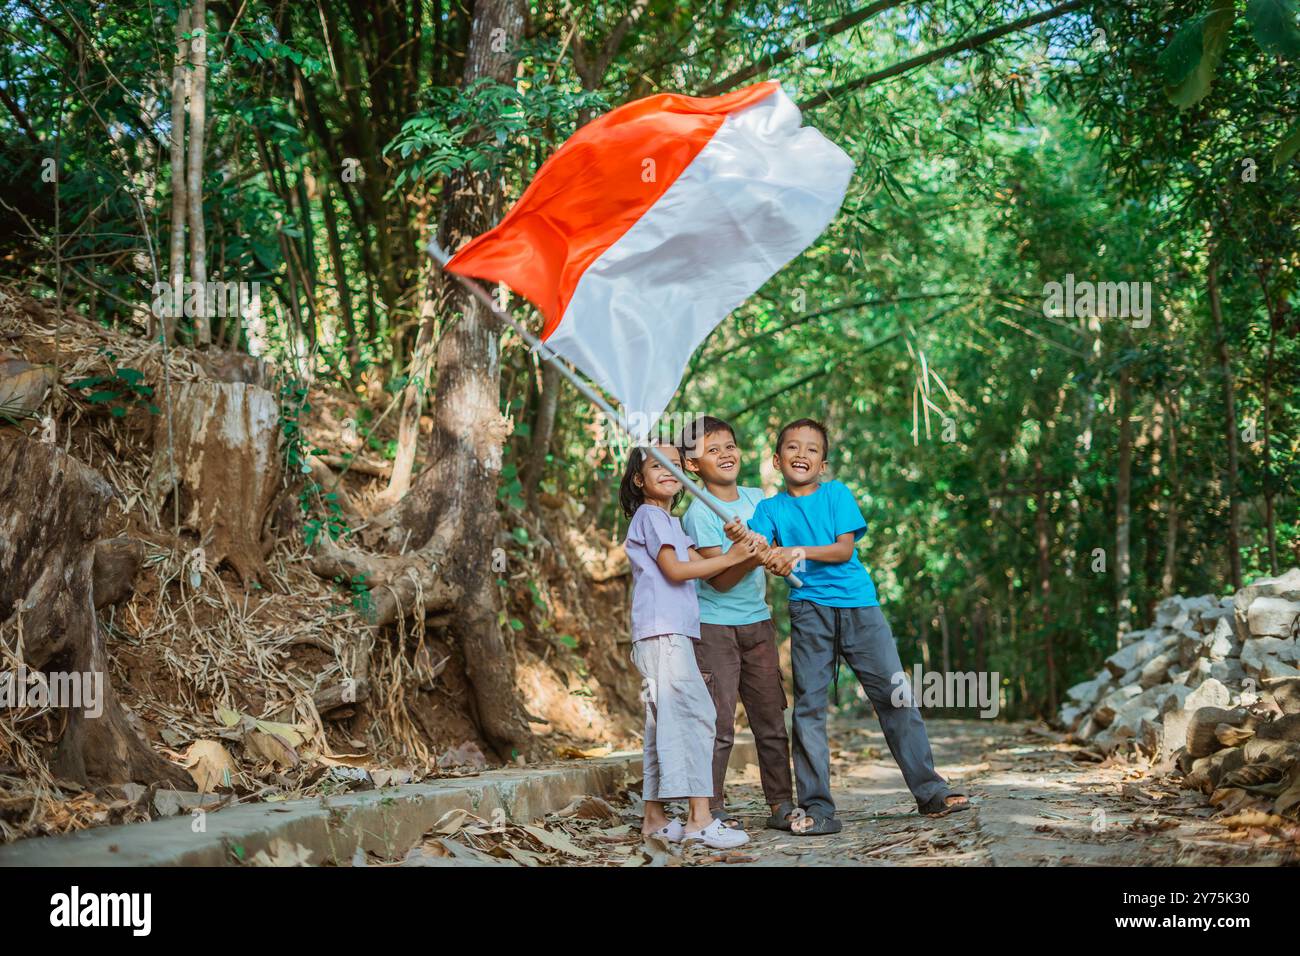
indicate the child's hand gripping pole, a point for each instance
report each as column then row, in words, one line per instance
column 737, row 532
column 440, row 256
column 708, row 500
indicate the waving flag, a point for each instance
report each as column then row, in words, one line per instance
column 652, row 222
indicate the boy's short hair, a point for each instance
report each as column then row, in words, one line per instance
column 806, row 423
column 701, row 428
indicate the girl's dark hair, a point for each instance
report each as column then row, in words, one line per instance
column 630, row 497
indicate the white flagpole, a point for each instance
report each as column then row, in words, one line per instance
column 537, row 345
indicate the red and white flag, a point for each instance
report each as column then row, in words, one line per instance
column 652, row 222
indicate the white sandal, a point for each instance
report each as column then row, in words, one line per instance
column 672, row 831
column 719, row 836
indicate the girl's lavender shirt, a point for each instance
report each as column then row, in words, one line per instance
column 659, row 606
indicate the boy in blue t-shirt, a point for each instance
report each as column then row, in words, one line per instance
column 736, row 651
column 813, row 527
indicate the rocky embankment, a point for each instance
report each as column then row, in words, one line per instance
column 1209, row 692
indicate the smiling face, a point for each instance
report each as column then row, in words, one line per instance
column 801, row 457
column 656, row 482
column 716, row 458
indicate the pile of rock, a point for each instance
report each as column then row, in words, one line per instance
column 1213, row 687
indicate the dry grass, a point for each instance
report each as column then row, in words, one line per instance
column 211, row 646
column 183, row 652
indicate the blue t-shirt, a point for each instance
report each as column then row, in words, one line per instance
column 818, row 519
column 746, row 602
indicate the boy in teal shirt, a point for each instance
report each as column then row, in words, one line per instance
column 813, row 527
column 736, row 651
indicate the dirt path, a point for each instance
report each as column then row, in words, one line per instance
column 1039, row 802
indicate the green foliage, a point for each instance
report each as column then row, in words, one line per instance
column 271, row 51
column 1275, row 28
column 980, row 177
column 359, row 589
column 322, row 513
column 1194, row 53
column 484, row 126
column 122, row 389
column 511, row 490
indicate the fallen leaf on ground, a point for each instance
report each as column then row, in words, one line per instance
column 578, row 753
column 282, row 853
column 271, row 748
column 557, row 841
column 589, row 808
column 344, row 760
column 451, row 821
column 210, row 765
column 1253, row 818
column 390, row 778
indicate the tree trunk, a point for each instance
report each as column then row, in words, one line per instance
column 1168, row 577
column 923, row 638
column 543, row 429
column 228, row 470
column 947, row 640
column 1230, row 413
column 1043, row 539
column 1123, row 517
column 979, row 627
column 408, row 424
column 453, row 501
column 51, row 508
column 194, row 176
column 180, row 82
column 341, row 284
column 1270, row 511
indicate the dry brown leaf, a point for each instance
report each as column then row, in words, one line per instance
column 1289, row 799
column 1231, row 736
column 283, row 853
column 579, row 753
column 1253, row 818
column 270, row 748
column 590, row 808
column 292, row 734
column 210, row 765
column 471, row 855
column 390, row 778
column 344, row 760
column 522, row 856
column 557, row 841
column 22, row 387
column 451, row 821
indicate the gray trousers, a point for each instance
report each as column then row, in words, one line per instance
column 677, row 761
column 867, row 644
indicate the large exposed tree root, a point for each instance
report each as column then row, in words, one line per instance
column 400, row 586
column 51, row 510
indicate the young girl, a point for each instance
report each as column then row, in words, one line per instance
column 679, row 716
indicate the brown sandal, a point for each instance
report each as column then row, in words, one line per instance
column 938, row 806
column 781, row 819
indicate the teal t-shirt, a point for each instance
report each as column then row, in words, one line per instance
column 746, row 602
column 817, row 519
